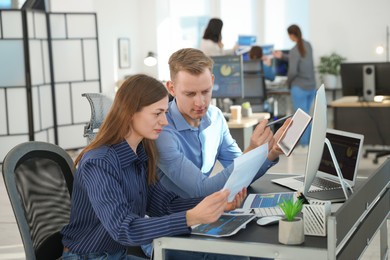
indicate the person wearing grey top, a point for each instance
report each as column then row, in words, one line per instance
column 300, row 77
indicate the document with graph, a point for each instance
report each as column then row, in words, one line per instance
column 266, row 204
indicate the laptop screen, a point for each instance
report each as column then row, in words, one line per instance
column 347, row 148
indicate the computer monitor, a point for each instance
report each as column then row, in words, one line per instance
column 267, row 49
column 254, row 83
column 247, row 40
column 369, row 76
column 228, row 73
column 317, row 138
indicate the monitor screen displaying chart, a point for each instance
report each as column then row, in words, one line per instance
column 228, row 75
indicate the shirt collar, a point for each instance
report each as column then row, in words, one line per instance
column 179, row 121
column 127, row 156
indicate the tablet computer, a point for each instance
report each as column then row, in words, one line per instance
column 294, row 131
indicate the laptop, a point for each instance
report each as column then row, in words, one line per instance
column 348, row 148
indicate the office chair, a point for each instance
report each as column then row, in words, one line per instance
column 378, row 154
column 39, row 179
column 100, row 105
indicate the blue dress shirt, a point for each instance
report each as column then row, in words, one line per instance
column 188, row 154
column 110, row 199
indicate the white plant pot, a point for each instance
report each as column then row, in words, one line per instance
column 246, row 112
column 291, row 232
column 330, row 81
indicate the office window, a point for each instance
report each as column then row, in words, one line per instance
column 237, row 20
column 5, row 4
column 288, row 12
column 182, row 27
column 188, row 20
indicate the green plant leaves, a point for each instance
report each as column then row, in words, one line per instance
column 291, row 208
column 330, row 64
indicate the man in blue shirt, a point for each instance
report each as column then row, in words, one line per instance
column 197, row 135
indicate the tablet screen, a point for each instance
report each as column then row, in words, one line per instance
column 294, row 131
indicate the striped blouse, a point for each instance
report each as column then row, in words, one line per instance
column 110, row 199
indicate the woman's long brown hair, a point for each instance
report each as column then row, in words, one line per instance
column 136, row 92
column 296, row 31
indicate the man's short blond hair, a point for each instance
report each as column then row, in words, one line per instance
column 191, row 60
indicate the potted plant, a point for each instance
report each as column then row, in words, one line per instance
column 329, row 69
column 291, row 230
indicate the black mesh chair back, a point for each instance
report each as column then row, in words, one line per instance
column 100, row 105
column 39, row 178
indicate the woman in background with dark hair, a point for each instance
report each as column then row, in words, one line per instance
column 300, row 76
column 211, row 43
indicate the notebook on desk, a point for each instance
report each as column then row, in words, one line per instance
column 347, row 147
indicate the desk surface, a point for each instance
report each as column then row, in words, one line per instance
column 262, row 241
column 349, row 229
column 265, row 238
column 353, row 101
column 248, row 121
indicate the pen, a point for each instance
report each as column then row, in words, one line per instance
column 279, row 120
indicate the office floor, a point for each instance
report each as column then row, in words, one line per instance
column 11, row 245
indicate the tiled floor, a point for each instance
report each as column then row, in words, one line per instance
column 11, row 244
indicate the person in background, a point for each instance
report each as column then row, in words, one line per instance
column 211, row 43
column 300, row 76
column 256, row 53
column 115, row 184
column 197, row 135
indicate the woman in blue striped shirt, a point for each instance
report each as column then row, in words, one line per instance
column 115, row 184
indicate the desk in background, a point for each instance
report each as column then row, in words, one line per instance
column 350, row 228
column 242, row 130
column 368, row 118
column 279, row 100
column 333, row 92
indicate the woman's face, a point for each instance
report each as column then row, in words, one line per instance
column 149, row 122
column 292, row 37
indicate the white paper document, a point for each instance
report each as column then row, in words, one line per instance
column 245, row 168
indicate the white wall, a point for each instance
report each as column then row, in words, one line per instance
column 353, row 28
column 133, row 19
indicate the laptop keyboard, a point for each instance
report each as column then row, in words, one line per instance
column 323, row 184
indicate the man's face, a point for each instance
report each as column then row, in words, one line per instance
column 193, row 94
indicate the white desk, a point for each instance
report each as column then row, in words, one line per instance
column 242, row 130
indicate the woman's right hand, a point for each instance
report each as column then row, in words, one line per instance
column 277, row 54
column 209, row 209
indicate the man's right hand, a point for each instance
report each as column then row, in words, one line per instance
column 261, row 135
